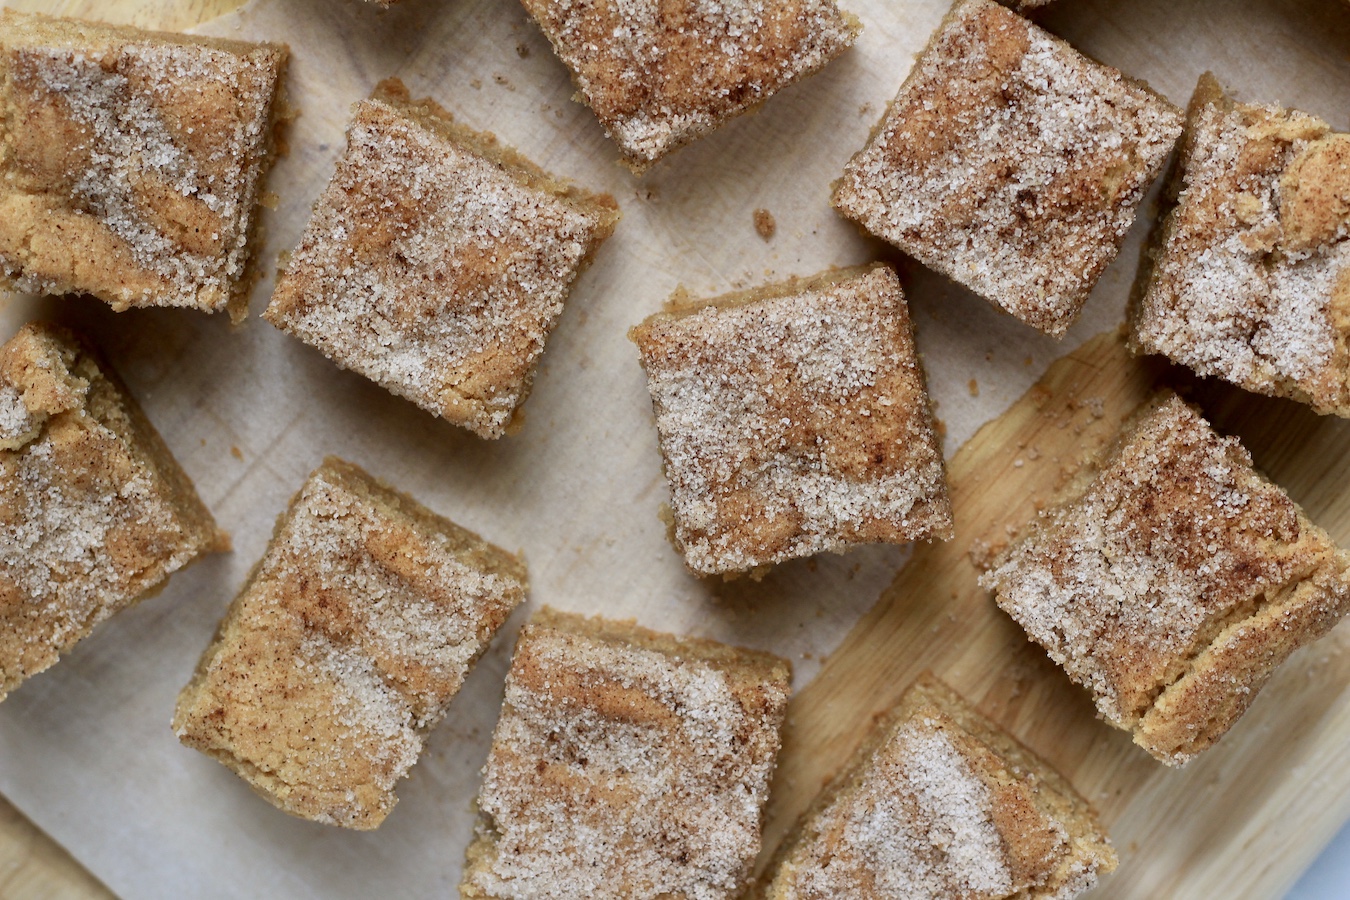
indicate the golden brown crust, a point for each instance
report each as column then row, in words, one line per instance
column 659, row 75
column 793, row 419
column 350, row 638
column 1010, row 163
column 94, row 511
column 132, row 161
column 1247, row 276
column 940, row 802
column 1172, row 579
column 626, row 763
column 437, row 261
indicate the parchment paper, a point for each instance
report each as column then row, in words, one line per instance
column 86, row 750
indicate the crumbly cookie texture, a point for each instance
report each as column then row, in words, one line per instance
column 94, row 511
column 794, row 419
column 626, row 763
column 1172, row 581
column 940, row 802
column 659, row 74
column 1249, row 279
column 351, row 637
column 1010, row 163
column 132, row 162
column 437, row 262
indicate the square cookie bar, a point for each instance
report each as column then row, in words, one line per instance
column 351, row 637
column 132, row 162
column 437, row 261
column 94, row 511
column 940, row 802
column 661, row 74
column 626, row 763
column 794, row 419
column 1010, row 163
column 1249, row 280
column 1172, row 580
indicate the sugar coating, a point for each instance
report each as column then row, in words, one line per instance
column 1250, row 281
column 344, row 649
column 659, row 74
column 925, row 796
column 436, row 263
column 94, row 512
column 626, row 764
column 939, row 802
column 1010, row 163
column 794, row 420
column 132, row 161
column 1173, row 581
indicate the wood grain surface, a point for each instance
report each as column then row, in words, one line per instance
column 34, row 867
column 1245, row 818
column 170, row 15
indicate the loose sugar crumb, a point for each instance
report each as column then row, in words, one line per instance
column 765, row 225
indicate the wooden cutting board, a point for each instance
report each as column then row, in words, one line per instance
column 1242, row 821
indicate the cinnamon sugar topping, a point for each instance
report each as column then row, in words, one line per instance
column 133, row 161
column 94, row 512
column 1010, row 163
column 923, row 796
column 794, row 420
column 660, row 74
column 626, row 764
column 1251, row 280
column 938, row 802
column 437, row 263
column 1174, row 582
column 344, row 649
